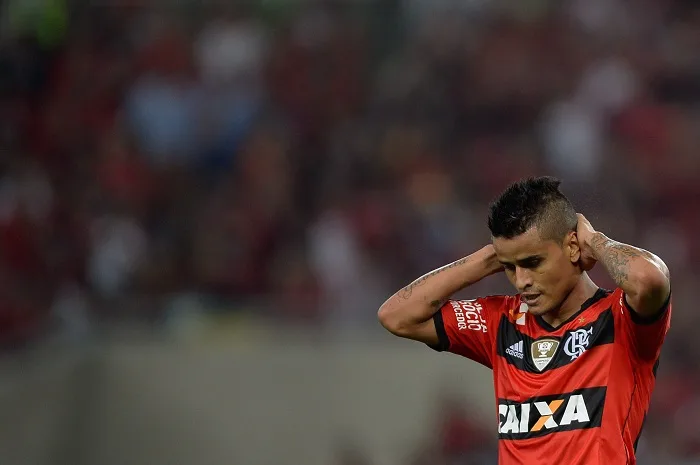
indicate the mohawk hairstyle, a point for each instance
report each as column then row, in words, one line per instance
column 532, row 202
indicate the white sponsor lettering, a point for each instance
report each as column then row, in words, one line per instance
column 515, row 418
column 524, row 416
column 575, row 411
column 468, row 315
column 512, row 423
column 546, row 412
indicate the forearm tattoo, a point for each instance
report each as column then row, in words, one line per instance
column 407, row 291
column 617, row 258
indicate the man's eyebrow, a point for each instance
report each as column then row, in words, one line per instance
column 527, row 259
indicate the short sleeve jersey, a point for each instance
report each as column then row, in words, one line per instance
column 576, row 394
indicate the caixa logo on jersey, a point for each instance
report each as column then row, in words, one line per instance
column 544, row 415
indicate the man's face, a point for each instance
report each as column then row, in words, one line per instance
column 543, row 271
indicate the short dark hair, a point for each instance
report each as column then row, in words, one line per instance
column 532, row 202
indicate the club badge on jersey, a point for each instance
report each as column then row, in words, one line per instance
column 543, row 351
column 577, row 343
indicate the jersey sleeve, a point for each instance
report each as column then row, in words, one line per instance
column 467, row 327
column 645, row 336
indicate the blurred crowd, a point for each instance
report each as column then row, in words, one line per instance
column 302, row 160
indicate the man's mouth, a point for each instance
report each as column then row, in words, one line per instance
column 529, row 299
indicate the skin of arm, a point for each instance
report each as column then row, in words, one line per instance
column 409, row 312
column 643, row 276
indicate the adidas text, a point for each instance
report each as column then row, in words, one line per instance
column 516, row 350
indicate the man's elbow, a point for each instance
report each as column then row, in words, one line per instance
column 655, row 280
column 388, row 319
column 657, row 285
column 394, row 321
column 652, row 291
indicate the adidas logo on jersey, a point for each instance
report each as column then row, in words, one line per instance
column 544, row 415
column 516, row 350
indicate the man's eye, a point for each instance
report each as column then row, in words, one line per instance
column 509, row 267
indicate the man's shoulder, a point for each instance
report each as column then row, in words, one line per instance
column 488, row 306
column 500, row 300
column 510, row 305
column 610, row 297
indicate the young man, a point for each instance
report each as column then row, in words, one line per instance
column 573, row 364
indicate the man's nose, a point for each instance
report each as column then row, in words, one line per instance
column 523, row 279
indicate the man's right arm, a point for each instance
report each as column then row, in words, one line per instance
column 409, row 312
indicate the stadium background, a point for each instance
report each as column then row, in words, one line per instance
column 202, row 206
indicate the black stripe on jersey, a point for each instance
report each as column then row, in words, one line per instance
column 443, row 341
column 543, row 415
column 648, row 320
column 571, row 346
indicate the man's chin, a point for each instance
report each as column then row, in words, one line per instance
column 537, row 309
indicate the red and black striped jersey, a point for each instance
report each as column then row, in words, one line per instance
column 576, row 394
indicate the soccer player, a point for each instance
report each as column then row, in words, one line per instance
column 573, row 364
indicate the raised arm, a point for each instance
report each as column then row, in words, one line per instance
column 642, row 275
column 408, row 313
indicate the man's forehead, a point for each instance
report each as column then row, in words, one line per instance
column 523, row 246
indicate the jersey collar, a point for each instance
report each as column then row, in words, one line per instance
column 599, row 294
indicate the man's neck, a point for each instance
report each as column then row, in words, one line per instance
column 584, row 290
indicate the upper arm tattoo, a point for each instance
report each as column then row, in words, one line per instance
column 617, row 258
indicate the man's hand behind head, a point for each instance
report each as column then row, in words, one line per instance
column 584, row 234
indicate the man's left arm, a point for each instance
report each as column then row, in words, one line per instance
column 642, row 276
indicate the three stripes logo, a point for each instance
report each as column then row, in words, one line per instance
column 516, row 350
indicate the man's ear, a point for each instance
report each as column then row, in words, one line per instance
column 572, row 247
